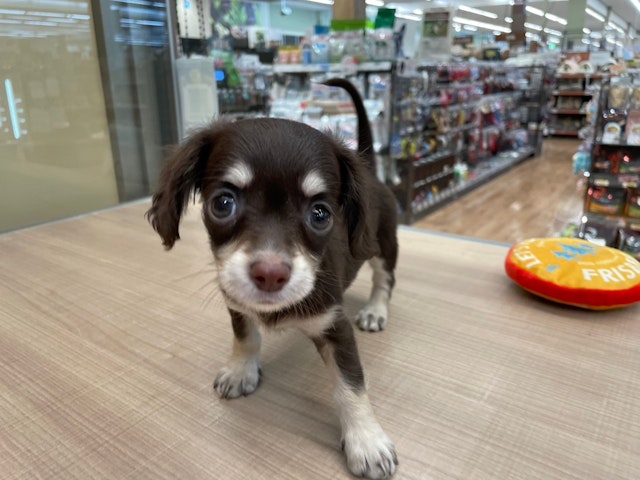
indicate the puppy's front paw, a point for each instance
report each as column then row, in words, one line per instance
column 373, row 317
column 370, row 453
column 237, row 378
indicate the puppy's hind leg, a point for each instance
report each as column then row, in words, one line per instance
column 369, row 451
column 241, row 375
column 373, row 317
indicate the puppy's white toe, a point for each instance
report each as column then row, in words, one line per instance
column 238, row 378
column 370, row 453
column 372, row 317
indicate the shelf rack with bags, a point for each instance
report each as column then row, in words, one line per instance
column 439, row 130
column 455, row 127
column 612, row 196
column 572, row 93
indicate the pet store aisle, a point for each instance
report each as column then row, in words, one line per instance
column 538, row 198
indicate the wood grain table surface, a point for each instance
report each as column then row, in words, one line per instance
column 109, row 346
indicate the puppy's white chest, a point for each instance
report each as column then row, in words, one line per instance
column 312, row 326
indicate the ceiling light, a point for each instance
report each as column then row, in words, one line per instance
column 375, row 3
column 616, row 27
column 488, row 26
column 470, row 28
column 508, row 19
column 551, row 31
column 4, row 11
column 40, row 24
column 586, row 30
column 477, row 11
column 555, row 18
column 595, row 14
column 636, row 4
column 533, row 26
column 535, row 11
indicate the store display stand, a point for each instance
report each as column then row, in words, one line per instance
column 440, row 131
column 612, row 198
column 570, row 98
column 455, row 127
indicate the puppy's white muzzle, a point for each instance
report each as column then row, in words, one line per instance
column 265, row 281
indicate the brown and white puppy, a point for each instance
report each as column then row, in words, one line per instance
column 292, row 214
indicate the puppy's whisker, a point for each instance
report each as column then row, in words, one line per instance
column 208, row 269
column 214, row 295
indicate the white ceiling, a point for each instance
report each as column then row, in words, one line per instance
column 69, row 16
column 623, row 11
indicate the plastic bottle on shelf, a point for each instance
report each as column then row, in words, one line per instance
column 320, row 45
column 306, row 54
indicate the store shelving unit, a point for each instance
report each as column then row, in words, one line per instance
column 456, row 127
column 612, row 196
column 570, row 98
column 447, row 128
column 297, row 95
column 332, row 67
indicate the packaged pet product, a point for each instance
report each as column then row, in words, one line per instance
column 606, row 200
column 633, row 119
column 613, row 126
column 634, row 99
column 581, row 162
column 633, row 128
column 633, row 204
column 618, row 97
column 629, row 238
column 629, row 163
column 602, row 231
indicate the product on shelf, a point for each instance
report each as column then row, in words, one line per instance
column 634, row 99
column 632, row 135
column 618, row 97
column 612, row 128
column 633, row 204
column 629, row 162
column 606, row 200
column 630, row 241
column 600, row 230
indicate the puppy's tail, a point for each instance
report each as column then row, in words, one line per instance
column 365, row 138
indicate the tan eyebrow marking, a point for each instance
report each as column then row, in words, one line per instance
column 313, row 184
column 239, row 175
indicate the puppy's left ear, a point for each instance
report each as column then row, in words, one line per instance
column 355, row 200
column 181, row 175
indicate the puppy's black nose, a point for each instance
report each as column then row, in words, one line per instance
column 270, row 275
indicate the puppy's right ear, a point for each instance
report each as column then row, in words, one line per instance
column 181, row 175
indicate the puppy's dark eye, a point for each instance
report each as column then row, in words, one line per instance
column 320, row 217
column 224, row 205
